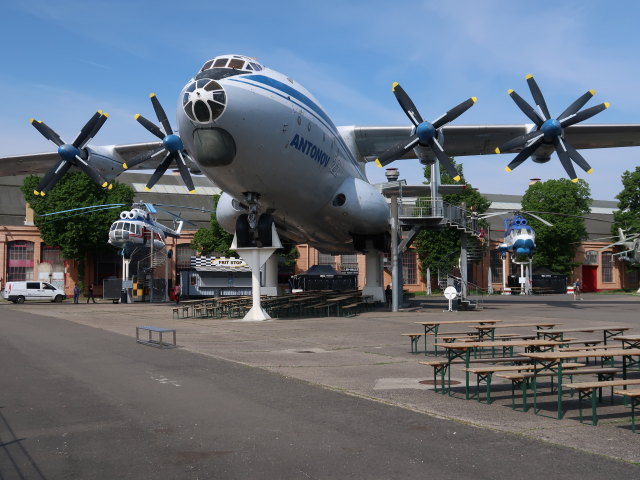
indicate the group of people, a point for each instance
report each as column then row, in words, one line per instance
column 76, row 294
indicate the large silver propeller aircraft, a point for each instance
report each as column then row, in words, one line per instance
column 278, row 157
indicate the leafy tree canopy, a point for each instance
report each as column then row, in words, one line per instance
column 628, row 215
column 79, row 234
column 441, row 248
column 213, row 240
column 556, row 246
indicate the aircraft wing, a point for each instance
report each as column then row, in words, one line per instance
column 464, row 140
column 42, row 162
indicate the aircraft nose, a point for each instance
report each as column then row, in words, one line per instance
column 214, row 147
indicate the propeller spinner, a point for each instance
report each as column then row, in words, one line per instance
column 172, row 144
column 425, row 133
column 71, row 154
column 550, row 130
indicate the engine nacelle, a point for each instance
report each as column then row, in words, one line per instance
column 228, row 211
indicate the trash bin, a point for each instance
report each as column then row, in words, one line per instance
column 123, row 295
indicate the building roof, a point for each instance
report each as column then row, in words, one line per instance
column 168, row 191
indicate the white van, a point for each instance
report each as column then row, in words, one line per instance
column 18, row 292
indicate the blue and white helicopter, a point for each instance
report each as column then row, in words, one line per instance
column 519, row 236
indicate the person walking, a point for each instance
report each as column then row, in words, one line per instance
column 388, row 294
column 76, row 293
column 176, row 293
column 577, row 292
column 90, row 294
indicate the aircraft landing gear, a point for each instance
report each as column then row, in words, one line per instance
column 253, row 230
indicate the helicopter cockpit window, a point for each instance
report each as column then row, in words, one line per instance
column 219, row 63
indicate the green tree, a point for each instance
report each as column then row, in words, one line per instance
column 76, row 235
column 213, row 240
column 628, row 215
column 556, row 246
column 441, row 248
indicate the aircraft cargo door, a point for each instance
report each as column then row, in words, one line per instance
column 589, row 278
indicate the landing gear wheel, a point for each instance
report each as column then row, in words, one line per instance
column 264, row 230
column 244, row 235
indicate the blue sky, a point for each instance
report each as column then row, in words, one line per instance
column 62, row 60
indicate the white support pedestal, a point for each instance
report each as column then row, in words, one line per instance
column 270, row 287
column 373, row 281
column 256, row 257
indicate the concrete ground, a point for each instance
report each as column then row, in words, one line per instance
column 366, row 357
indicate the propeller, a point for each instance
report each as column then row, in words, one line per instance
column 425, row 133
column 173, row 147
column 550, row 131
column 71, row 154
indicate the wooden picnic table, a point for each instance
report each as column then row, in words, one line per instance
column 489, row 330
column 608, row 331
column 553, row 362
column 628, row 341
column 463, row 350
column 433, row 326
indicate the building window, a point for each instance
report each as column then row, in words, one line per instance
column 349, row 263
column 326, row 259
column 607, row 267
column 52, row 255
column 496, row 265
column 591, row 257
column 184, row 253
column 20, row 261
column 409, row 270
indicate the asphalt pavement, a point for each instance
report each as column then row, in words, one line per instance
column 288, row 398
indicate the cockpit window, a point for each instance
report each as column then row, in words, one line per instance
column 256, row 67
column 221, row 62
column 236, row 64
column 206, row 66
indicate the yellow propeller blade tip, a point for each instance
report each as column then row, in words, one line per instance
column 456, row 178
column 393, row 86
column 507, row 169
column 146, row 189
column 606, row 104
column 136, row 116
column 497, row 150
column 104, row 185
column 36, row 192
column 474, row 99
column 100, row 112
column 42, row 194
column 106, row 114
column 110, row 186
column 192, row 191
column 574, row 180
column 528, row 76
column 31, row 120
column 590, row 170
column 510, row 91
column 592, row 92
column 124, row 165
column 378, row 163
column 151, row 95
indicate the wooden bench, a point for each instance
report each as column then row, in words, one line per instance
column 440, row 366
column 413, row 337
column 485, row 374
column 156, row 343
column 634, row 396
column 521, row 380
column 588, row 389
column 352, row 309
column 184, row 309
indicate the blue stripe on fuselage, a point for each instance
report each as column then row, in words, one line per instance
column 306, row 101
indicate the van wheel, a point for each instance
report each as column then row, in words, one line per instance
column 58, row 299
column 20, row 299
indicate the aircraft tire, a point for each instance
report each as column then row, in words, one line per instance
column 264, row 230
column 243, row 232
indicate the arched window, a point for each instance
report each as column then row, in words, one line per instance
column 20, row 261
